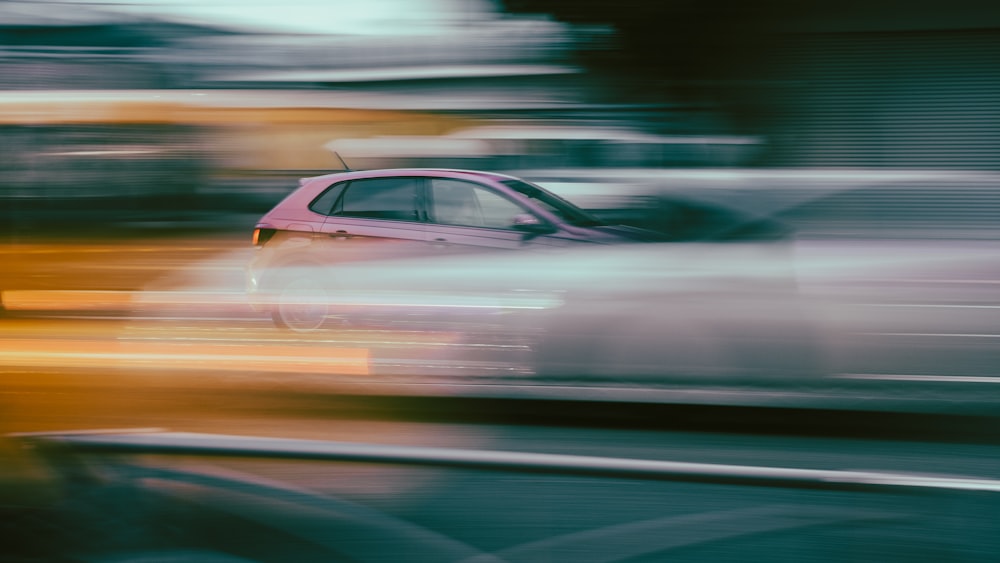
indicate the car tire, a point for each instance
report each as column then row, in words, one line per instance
column 302, row 305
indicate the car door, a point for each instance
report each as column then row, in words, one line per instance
column 372, row 218
column 464, row 216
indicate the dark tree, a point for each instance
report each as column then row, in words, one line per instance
column 700, row 53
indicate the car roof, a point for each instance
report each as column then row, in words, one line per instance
column 390, row 172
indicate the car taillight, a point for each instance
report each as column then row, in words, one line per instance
column 261, row 235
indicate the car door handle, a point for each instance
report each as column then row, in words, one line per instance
column 440, row 243
column 340, row 234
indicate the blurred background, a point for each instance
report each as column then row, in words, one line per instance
column 140, row 141
column 170, row 111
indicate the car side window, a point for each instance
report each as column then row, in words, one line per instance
column 326, row 200
column 380, row 198
column 456, row 202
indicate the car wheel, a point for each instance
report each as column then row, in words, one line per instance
column 303, row 305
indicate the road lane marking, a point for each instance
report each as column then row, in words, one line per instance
column 928, row 306
column 932, row 334
column 928, row 378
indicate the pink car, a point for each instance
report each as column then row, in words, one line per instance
column 404, row 213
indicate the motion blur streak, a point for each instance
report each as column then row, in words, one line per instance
column 182, row 355
column 825, row 178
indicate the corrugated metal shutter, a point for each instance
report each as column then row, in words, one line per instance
column 964, row 207
column 911, row 99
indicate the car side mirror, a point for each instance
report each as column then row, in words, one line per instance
column 529, row 223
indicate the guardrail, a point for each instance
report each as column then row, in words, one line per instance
column 147, row 508
column 181, row 443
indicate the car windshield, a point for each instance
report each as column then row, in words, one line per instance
column 555, row 204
